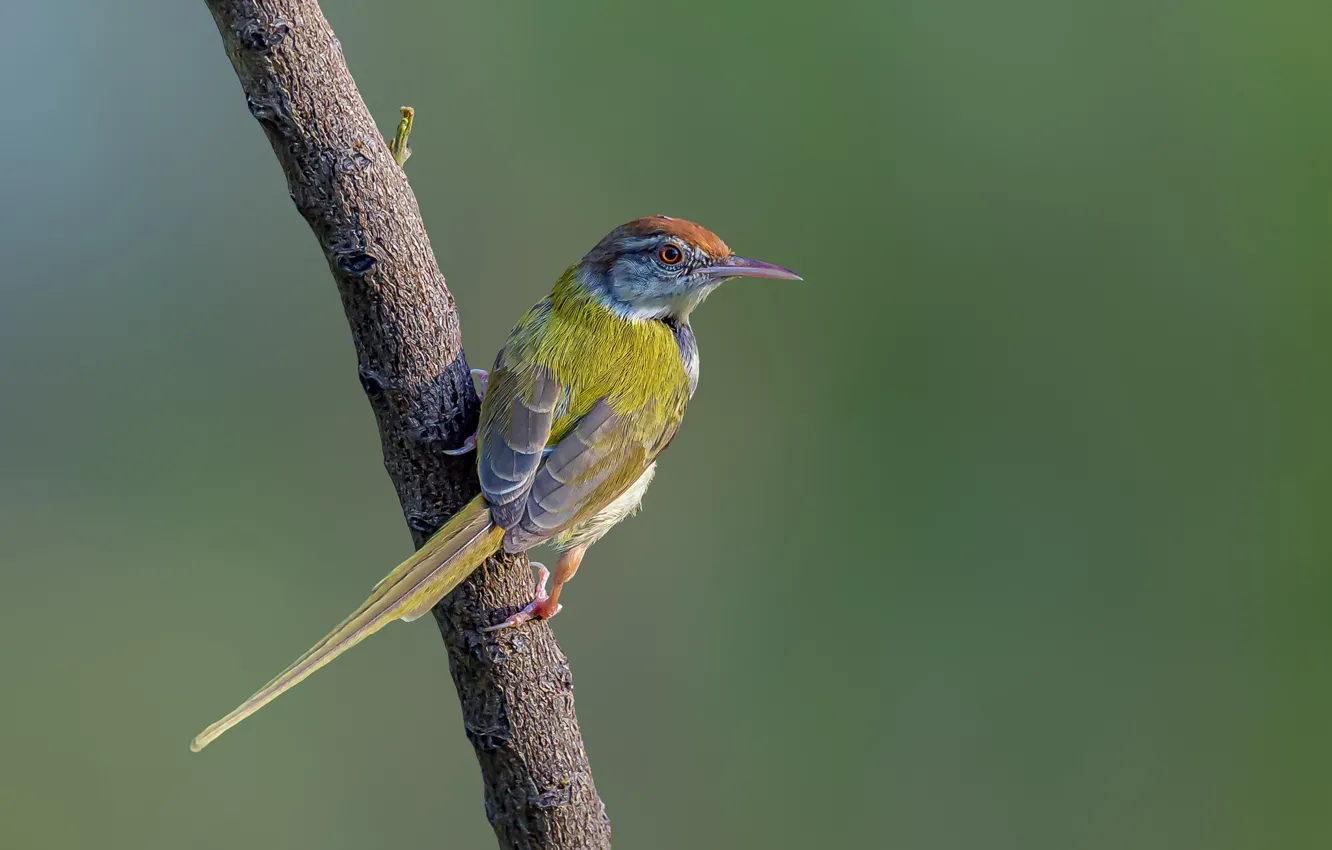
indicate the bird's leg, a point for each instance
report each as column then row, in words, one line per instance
column 546, row 605
column 482, row 377
column 564, row 570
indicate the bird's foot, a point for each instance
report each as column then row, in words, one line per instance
column 481, row 377
column 468, row 445
column 542, row 607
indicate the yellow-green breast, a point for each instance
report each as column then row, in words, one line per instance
column 597, row 353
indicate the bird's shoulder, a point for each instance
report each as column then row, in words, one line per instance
column 636, row 365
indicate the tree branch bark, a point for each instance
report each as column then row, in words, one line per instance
column 516, row 690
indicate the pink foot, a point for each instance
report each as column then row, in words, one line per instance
column 482, row 378
column 538, row 609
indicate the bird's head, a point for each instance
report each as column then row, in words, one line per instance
column 661, row 267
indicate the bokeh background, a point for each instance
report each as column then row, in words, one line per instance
column 1030, row 551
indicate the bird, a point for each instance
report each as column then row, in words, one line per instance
column 589, row 388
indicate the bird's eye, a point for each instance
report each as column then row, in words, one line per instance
column 670, row 255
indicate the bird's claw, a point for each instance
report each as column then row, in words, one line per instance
column 481, row 377
column 538, row 609
column 468, row 445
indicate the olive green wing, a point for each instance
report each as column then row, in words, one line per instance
column 598, row 459
column 553, row 451
column 516, row 420
column 543, row 467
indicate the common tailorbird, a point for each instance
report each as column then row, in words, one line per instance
column 589, row 388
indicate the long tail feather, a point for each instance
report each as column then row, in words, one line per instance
column 406, row 593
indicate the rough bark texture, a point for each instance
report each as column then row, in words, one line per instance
column 516, row 689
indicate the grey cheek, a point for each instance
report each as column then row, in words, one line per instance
column 626, row 279
column 637, row 280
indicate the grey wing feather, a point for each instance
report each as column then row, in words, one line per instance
column 579, row 464
column 507, row 464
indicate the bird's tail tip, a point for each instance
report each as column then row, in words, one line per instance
column 209, row 735
column 406, row 593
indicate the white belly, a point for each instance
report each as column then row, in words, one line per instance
column 624, row 506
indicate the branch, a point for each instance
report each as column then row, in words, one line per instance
column 517, row 696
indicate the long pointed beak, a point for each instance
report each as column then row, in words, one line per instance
column 742, row 267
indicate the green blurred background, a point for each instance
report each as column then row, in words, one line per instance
column 1032, row 551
